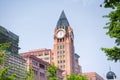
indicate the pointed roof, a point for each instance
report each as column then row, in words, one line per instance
column 62, row 20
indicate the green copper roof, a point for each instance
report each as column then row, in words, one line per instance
column 62, row 20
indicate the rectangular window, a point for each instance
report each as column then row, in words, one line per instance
column 60, row 46
column 60, row 56
column 63, row 46
column 35, row 72
column 58, row 62
column 63, row 61
column 60, row 66
column 34, row 63
column 47, row 58
column 63, row 66
column 40, row 54
column 42, row 75
column 42, row 66
column 57, row 47
column 60, row 52
column 46, row 54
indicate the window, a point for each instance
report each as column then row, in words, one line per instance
column 63, row 66
column 60, row 66
column 60, row 56
column 42, row 75
column 46, row 54
column 52, row 53
column 47, row 58
column 34, row 63
column 42, row 66
column 63, row 46
column 40, row 55
column 57, row 47
column 58, row 52
column 60, row 46
column 58, row 61
column 63, row 61
column 35, row 72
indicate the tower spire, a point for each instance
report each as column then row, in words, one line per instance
column 62, row 20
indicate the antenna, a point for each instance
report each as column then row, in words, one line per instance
column 110, row 68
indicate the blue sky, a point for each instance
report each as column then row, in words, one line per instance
column 34, row 21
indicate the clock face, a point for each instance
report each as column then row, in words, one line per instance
column 60, row 33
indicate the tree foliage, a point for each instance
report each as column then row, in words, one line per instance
column 52, row 72
column 3, row 47
column 29, row 75
column 4, row 74
column 76, row 77
column 4, row 71
column 113, row 27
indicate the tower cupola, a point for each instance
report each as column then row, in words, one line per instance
column 110, row 75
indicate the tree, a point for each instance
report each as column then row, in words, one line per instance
column 4, row 74
column 52, row 72
column 76, row 77
column 29, row 75
column 113, row 27
column 4, row 71
column 3, row 47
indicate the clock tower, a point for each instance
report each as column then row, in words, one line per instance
column 64, row 55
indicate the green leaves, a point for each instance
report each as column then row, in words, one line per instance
column 112, row 53
column 3, row 46
column 29, row 75
column 113, row 27
column 4, row 71
column 76, row 77
column 52, row 72
column 111, row 3
column 4, row 74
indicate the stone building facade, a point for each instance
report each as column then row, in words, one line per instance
column 63, row 53
column 39, row 67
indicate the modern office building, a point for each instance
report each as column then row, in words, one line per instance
column 39, row 67
column 12, row 57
